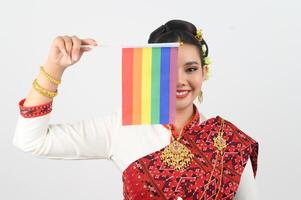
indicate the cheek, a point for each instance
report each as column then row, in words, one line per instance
column 196, row 81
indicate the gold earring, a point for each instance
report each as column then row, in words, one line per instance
column 200, row 96
column 208, row 74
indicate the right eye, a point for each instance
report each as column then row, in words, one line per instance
column 191, row 69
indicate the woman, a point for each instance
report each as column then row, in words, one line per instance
column 195, row 158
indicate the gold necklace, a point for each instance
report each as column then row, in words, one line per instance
column 179, row 156
column 176, row 154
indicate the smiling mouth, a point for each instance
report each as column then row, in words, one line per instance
column 182, row 94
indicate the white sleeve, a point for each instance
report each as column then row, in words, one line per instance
column 247, row 186
column 86, row 139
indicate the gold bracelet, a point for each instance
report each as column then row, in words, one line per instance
column 49, row 77
column 43, row 91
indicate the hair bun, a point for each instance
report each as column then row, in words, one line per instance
column 172, row 25
column 156, row 33
column 181, row 25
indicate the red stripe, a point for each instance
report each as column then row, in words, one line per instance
column 127, row 74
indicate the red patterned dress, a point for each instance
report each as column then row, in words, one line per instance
column 212, row 174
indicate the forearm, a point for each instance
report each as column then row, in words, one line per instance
column 247, row 189
column 34, row 97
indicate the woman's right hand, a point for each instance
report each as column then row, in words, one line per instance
column 66, row 51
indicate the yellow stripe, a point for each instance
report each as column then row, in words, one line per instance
column 146, row 86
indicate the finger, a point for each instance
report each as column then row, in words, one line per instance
column 87, row 49
column 68, row 46
column 89, row 41
column 83, row 50
column 60, row 44
column 76, row 47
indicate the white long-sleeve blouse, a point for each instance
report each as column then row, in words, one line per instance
column 103, row 138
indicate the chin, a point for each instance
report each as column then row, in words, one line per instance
column 181, row 104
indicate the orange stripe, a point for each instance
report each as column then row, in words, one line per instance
column 136, row 119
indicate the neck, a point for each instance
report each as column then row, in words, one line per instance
column 183, row 116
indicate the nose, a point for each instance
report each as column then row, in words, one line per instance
column 181, row 78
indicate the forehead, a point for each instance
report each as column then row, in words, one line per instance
column 188, row 53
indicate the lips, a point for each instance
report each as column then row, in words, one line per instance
column 182, row 93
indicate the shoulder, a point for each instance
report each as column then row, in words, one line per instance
column 231, row 128
column 231, row 132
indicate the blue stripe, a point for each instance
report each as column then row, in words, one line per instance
column 164, row 85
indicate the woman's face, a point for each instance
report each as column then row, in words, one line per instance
column 190, row 76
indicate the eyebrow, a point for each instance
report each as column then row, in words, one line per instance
column 191, row 63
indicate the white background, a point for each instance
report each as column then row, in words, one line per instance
column 255, row 48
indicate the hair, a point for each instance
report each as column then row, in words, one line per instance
column 179, row 31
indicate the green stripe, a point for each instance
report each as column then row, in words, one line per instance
column 155, row 88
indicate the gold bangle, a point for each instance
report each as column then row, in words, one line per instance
column 43, row 91
column 49, row 77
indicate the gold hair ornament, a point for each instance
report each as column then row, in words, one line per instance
column 199, row 34
column 207, row 60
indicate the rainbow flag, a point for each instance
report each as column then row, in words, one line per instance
column 149, row 84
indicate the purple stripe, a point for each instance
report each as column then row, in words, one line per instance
column 172, row 86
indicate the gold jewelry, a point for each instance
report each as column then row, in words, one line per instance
column 199, row 34
column 200, row 96
column 176, row 154
column 208, row 73
column 179, row 156
column 49, row 77
column 43, row 91
column 204, row 50
column 219, row 142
